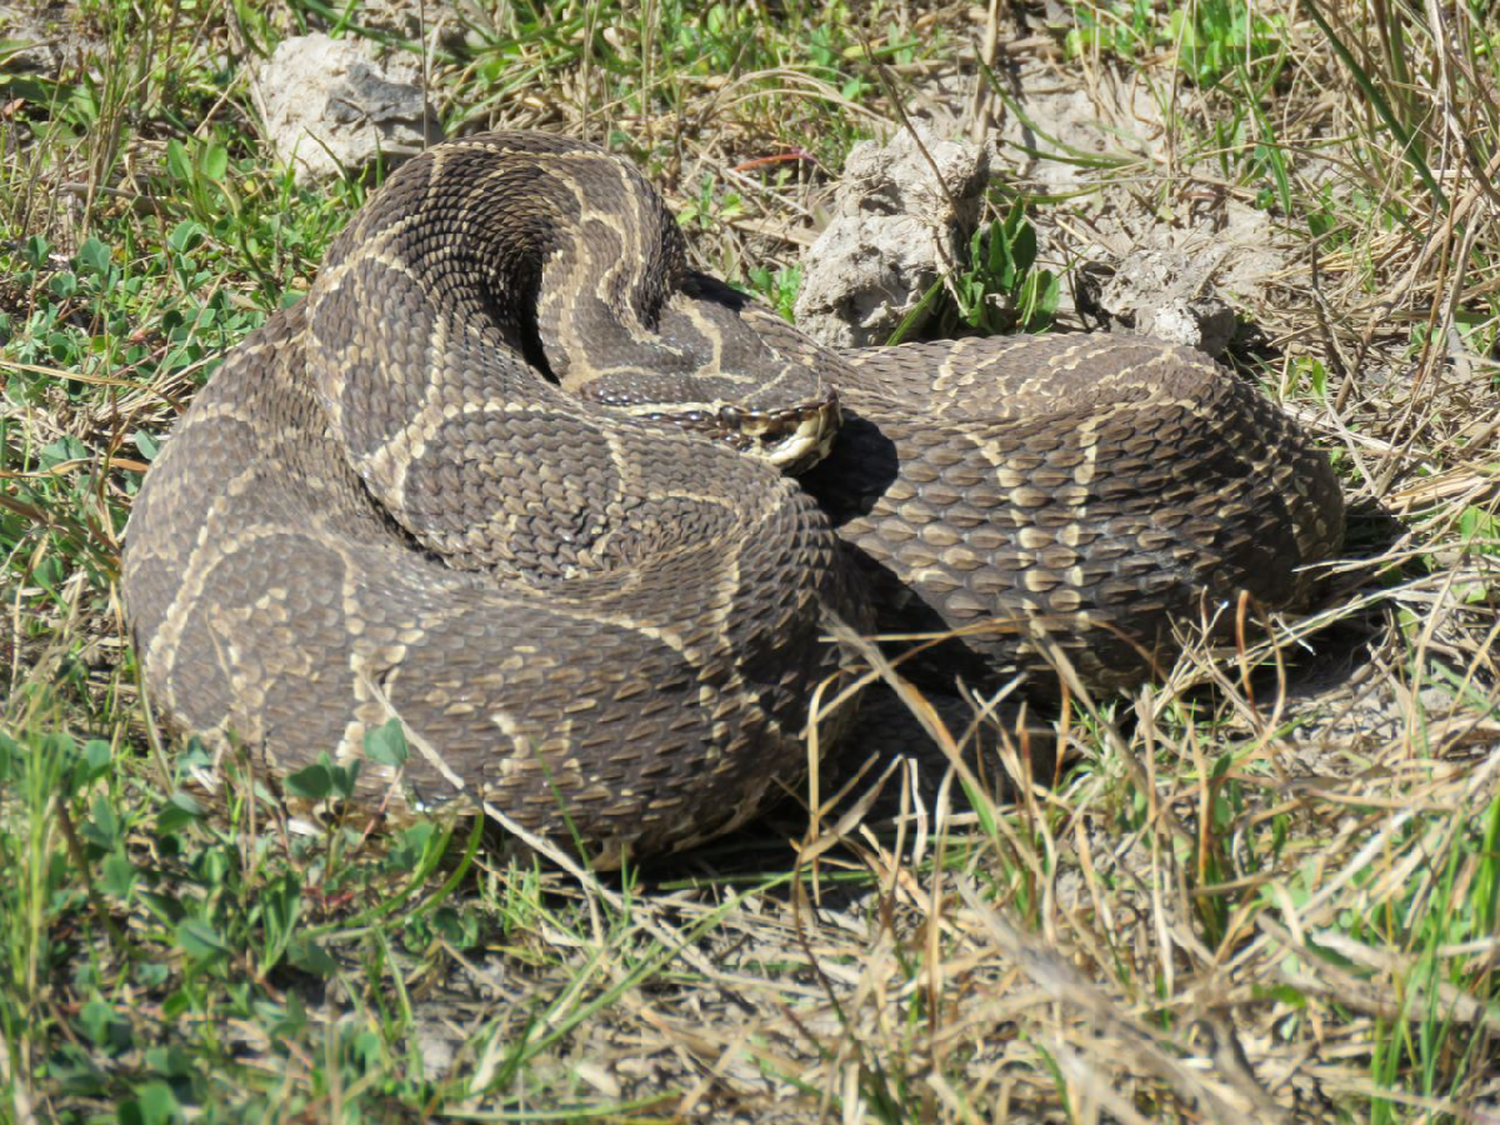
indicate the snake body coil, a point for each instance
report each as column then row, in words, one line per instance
column 515, row 475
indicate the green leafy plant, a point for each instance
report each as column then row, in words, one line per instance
column 1001, row 289
column 1211, row 37
column 709, row 207
column 998, row 288
column 1215, row 37
column 779, row 287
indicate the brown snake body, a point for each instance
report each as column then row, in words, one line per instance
column 513, row 474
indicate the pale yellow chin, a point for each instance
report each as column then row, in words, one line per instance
column 802, row 448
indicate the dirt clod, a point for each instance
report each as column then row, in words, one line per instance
column 897, row 229
column 331, row 107
column 1166, row 293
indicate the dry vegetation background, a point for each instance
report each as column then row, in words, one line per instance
column 1268, row 889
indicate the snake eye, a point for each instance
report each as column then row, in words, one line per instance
column 729, row 417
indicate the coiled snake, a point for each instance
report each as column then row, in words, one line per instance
column 514, row 474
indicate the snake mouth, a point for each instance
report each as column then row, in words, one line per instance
column 792, row 440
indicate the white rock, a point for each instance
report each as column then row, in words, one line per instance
column 331, row 107
column 1170, row 295
column 895, row 232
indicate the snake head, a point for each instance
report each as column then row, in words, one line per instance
column 710, row 362
column 794, row 440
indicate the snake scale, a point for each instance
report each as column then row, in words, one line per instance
column 513, row 473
